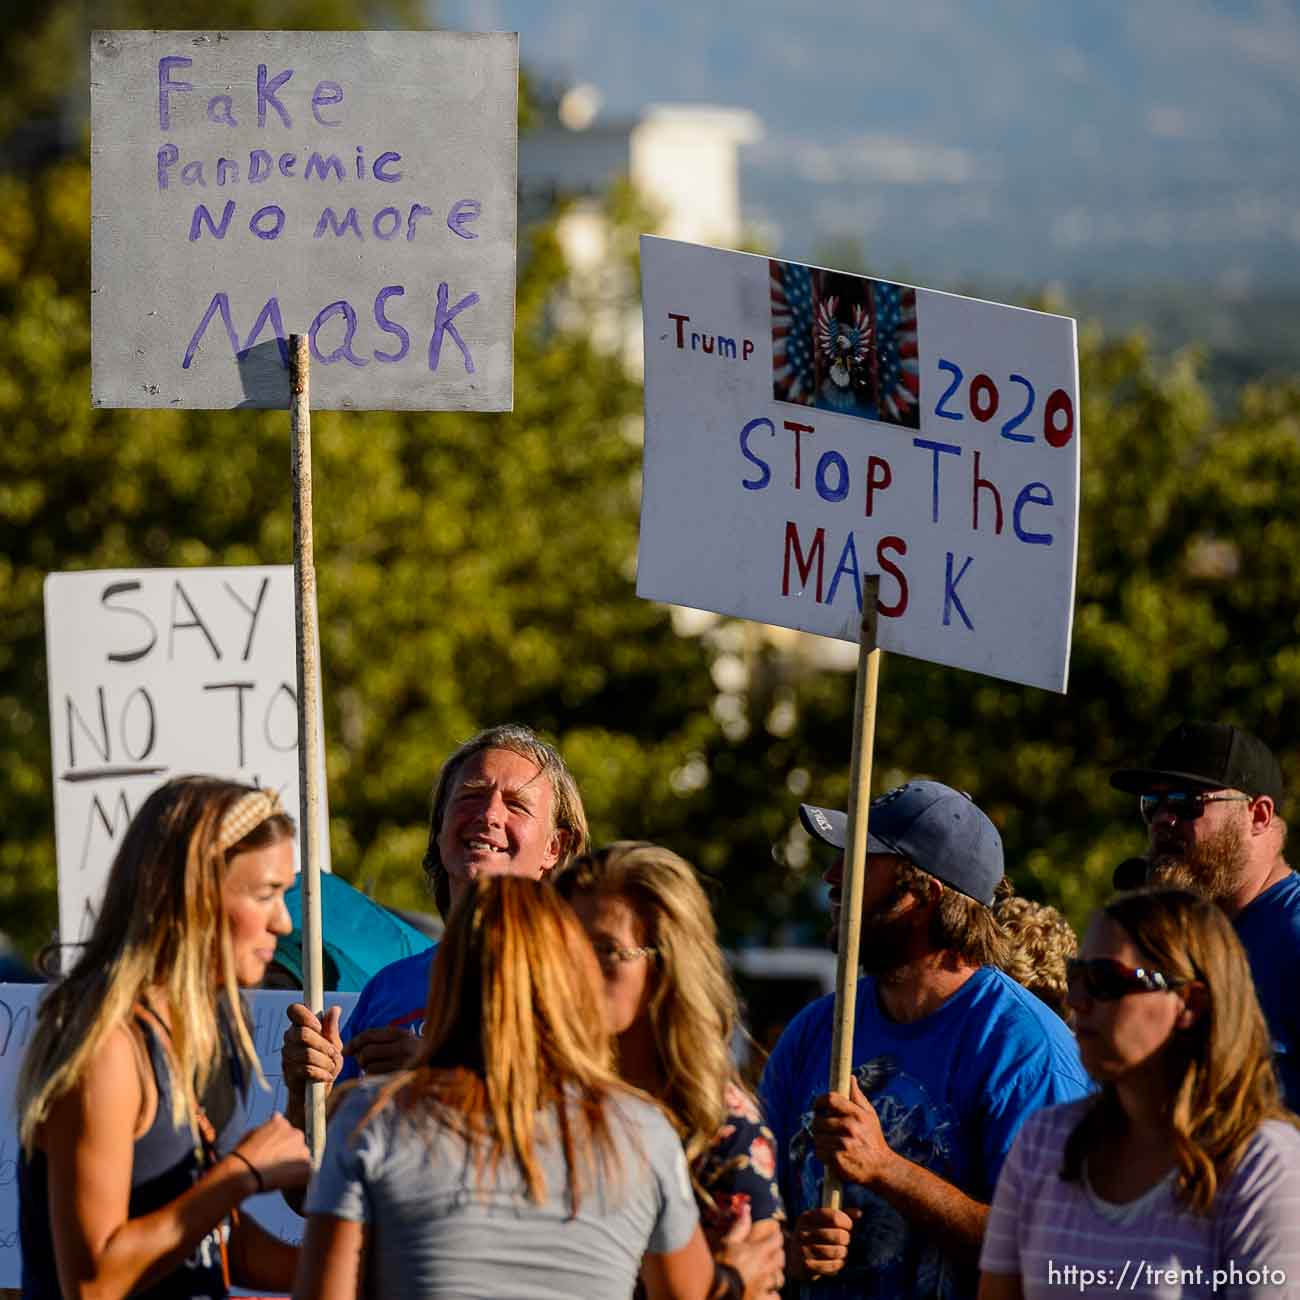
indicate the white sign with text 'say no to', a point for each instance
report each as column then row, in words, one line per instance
column 156, row 673
column 357, row 187
column 805, row 428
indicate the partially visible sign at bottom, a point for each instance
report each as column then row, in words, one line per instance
column 17, row 1021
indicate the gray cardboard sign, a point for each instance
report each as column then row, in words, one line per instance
column 358, row 187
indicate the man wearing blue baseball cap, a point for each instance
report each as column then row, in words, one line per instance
column 949, row 1057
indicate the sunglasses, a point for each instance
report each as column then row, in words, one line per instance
column 611, row 956
column 1185, row 805
column 1105, row 980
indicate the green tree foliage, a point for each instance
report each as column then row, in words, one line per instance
column 471, row 568
column 474, row 569
column 1185, row 607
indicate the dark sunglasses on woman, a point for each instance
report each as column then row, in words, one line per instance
column 1105, row 980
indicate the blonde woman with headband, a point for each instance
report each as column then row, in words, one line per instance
column 132, row 1169
column 672, row 1008
column 512, row 1160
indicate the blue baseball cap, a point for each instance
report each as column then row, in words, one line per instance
column 932, row 825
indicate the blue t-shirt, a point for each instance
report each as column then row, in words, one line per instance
column 396, row 995
column 951, row 1091
column 1269, row 929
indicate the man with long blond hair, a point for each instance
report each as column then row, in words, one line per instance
column 505, row 804
column 512, row 1160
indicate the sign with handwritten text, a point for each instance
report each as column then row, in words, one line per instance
column 156, row 673
column 18, row 1012
column 805, row 428
column 356, row 187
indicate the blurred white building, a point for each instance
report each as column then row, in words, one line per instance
column 682, row 160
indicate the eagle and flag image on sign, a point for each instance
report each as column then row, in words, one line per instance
column 806, row 428
column 844, row 344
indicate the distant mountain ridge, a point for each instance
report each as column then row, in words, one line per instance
column 1108, row 141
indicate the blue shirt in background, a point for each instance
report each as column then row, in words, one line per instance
column 395, row 996
column 1269, row 929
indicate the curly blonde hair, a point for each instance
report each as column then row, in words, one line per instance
column 1039, row 943
column 693, row 1007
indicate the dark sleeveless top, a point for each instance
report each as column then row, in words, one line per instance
column 164, row 1164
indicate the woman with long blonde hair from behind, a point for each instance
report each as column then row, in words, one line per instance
column 672, row 1008
column 1181, row 1176
column 512, row 1160
column 131, row 1089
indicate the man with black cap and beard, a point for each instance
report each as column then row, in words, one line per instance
column 950, row 1055
column 1210, row 801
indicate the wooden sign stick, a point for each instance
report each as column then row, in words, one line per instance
column 855, row 860
column 309, row 767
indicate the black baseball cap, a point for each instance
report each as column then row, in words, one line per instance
column 1207, row 756
column 931, row 824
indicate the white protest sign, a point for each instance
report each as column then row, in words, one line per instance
column 358, row 187
column 156, row 673
column 806, row 427
column 17, row 1015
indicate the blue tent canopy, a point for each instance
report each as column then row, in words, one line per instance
column 360, row 935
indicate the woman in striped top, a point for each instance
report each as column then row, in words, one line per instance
column 1180, row 1176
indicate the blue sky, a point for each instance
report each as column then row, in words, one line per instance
column 1103, row 140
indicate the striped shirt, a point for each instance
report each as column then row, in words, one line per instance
column 1061, row 1238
